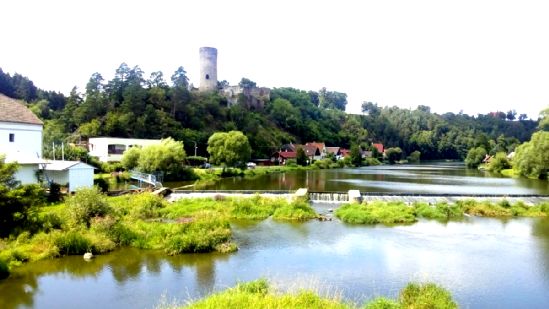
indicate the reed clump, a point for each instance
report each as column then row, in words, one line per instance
column 376, row 212
column 260, row 294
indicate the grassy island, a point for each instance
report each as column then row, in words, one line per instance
column 399, row 212
column 91, row 222
column 260, row 294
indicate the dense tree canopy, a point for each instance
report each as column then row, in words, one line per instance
column 132, row 105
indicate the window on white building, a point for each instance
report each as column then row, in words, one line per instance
column 12, row 137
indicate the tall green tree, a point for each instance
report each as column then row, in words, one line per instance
column 393, row 154
column 532, row 158
column 475, row 156
column 301, row 157
column 230, row 149
column 356, row 155
column 167, row 158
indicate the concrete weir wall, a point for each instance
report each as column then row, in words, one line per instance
column 357, row 196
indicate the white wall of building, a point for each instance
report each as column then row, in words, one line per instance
column 59, row 177
column 99, row 146
column 80, row 176
column 76, row 176
column 27, row 139
column 26, row 174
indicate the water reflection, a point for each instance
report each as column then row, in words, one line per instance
column 420, row 178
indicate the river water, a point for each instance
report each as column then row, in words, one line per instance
column 433, row 178
column 485, row 263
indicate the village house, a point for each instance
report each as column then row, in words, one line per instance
column 20, row 138
column 110, row 149
column 21, row 142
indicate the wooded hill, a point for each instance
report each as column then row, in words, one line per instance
column 131, row 105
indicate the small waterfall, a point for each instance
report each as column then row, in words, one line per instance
column 329, row 197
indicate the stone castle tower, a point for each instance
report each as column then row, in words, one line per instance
column 208, row 69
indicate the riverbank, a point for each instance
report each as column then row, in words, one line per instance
column 261, row 294
column 91, row 222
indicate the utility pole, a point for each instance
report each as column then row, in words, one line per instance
column 195, row 148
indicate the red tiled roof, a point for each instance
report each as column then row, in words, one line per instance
column 333, row 150
column 12, row 110
column 320, row 146
column 288, row 154
column 379, row 147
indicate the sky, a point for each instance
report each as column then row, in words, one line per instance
column 472, row 56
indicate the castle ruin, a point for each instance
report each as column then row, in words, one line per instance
column 252, row 97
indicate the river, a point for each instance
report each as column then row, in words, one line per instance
column 433, row 178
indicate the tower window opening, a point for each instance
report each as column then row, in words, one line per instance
column 207, row 76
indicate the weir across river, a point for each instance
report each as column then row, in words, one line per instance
column 343, row 197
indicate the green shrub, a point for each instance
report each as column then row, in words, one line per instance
column 439, row 211
column 146, row 206
column 259, row 286
column 426, row 296
column 4, row 270
column 50, row 221
column 102, row 184
column 297, row 210
column 202, row 234
column 499, row 163
column 256, row 208
column 72, row 243
column 86, row 204
column 323, row 163
column 376, row 212
column 382, row 303
column 55, row 193
column 372, row 161
column 483, row 209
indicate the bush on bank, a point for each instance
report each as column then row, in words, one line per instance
column 260, row 294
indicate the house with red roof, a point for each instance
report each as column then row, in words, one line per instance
column 379, row 147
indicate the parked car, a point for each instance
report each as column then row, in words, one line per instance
column 250, row 165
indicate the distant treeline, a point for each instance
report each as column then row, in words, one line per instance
column 131, row 105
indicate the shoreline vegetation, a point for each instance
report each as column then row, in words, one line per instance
column 390, row 213
column 261, row 294
column 89, row 221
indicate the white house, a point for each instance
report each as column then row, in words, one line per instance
column 73, row 174
column 109, row 149
column 20, row 138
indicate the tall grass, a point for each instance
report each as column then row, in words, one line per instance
column 376, row 212
column 439, row 211
column 426, row 296
column 259, row 294
column 296, row 210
